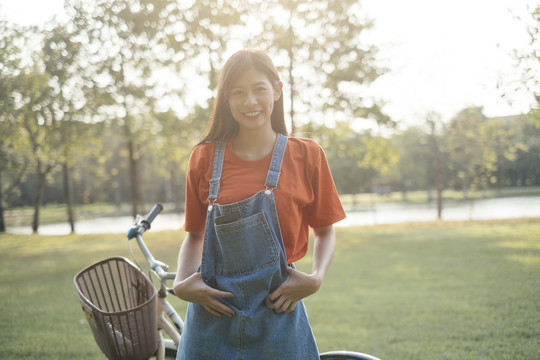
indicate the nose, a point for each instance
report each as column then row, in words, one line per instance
column 250, row 99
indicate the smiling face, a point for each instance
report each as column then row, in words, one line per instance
column 251, row 100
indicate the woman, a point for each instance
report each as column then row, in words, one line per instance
column 244, row 231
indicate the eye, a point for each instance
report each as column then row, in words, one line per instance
column 260, row 89
column 236, row 93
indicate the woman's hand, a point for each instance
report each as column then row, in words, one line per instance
column 300, row 285
column 188, row 284
column 297, row 286
column 193, row 289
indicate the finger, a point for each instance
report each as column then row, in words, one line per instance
column 279, row 304
column 218, row 310
column 269, row 303
column 222, row 294
column 284, row 306
column 212, row 311
column 227, row 311
column 222, row 308
column 273, row 303
column 292, row 306
column 275, row 295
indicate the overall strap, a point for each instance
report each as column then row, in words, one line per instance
column 219, row 154
column 275, row 166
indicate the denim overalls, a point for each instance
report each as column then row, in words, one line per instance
column 243, row 254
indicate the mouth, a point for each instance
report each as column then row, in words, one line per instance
column 252, row 114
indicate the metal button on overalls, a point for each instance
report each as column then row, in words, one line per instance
column 243, row 253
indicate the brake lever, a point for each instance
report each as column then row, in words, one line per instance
column 133, row 231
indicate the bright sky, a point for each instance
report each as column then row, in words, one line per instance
column 446, row 55
column 443, row 55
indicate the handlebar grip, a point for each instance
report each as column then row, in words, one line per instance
column 152, row 214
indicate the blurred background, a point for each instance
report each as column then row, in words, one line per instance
column 427, row 110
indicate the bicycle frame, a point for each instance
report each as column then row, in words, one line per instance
column 168, row 319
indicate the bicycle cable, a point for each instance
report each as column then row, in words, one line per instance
column 133, row 256
column 150, row 271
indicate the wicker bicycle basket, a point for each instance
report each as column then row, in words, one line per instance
column 120, row 305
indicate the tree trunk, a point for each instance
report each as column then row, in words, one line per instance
column 41, row 176
column 68, row 196
column 2, row 223
column 9, row 189
column 177, row 191
column 440, row 179
column 439, row 190
column 439, row 164
column 134, row 178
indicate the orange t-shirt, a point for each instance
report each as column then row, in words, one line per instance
column 305, row 197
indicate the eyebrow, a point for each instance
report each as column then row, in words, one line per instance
column 256, row 84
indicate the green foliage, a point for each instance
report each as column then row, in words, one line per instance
column 465, row 146
column 379, row 155
column 414, row 168
column 528, row 62
column 328, row 64
column 344, row 148
column 123, row 90
column 14, row 160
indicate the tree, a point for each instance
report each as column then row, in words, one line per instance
column 125, row 47
column 380, row 156
column 328, row 63
column 38, row 123
column 438, row 159
column 410, row 171
column 204, row 32
column 13, row 163
column 527, row 61
column 133, row 46
column 357, row 160
column 61, row 53
column 502, row 146
column 343, row 147
column 466, row 148
column 171, row 149
column 526, row 165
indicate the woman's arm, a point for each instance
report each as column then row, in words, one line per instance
column 323, row 251
column 300, row 285
column 188, row 284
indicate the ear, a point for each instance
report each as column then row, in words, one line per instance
column 278, row 91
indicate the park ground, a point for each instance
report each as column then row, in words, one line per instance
column 433, row 291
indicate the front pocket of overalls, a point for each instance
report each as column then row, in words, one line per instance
column 245, row 246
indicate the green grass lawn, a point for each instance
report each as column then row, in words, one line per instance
column 436, row 291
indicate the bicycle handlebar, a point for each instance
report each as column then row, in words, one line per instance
column 140, row 226
column 147, row 221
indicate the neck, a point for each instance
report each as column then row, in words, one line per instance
column 254, row 145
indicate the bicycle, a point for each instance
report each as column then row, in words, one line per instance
column 129, row 316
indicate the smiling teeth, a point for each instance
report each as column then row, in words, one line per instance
column 253, row 113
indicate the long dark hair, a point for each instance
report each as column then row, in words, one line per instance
column 222, row 123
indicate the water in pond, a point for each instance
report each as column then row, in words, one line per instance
column 360, row 215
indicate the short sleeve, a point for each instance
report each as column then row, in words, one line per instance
column 196, row 190
column 326, row 208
